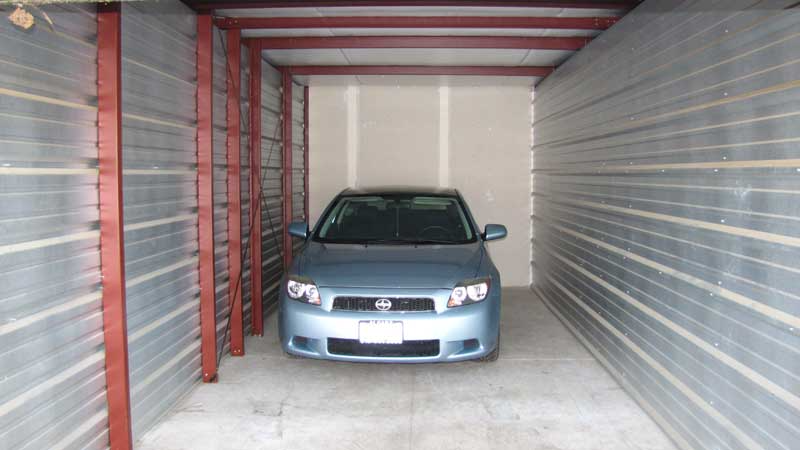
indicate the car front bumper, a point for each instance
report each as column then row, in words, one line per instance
column 463, row 333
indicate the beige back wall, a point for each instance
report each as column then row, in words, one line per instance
column 475, row 139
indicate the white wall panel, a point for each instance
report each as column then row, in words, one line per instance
column 392, row 135
column 489, row 162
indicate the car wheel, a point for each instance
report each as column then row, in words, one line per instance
column 493, row 355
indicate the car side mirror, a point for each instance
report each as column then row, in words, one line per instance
column 494, row 231
column 298, row 229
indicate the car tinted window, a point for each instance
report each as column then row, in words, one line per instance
column 396, row 219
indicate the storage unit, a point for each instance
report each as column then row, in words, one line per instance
column 644, row 155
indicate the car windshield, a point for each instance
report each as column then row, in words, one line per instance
column 396, row 219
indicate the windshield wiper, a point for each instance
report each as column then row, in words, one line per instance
column 434, row 241
column 384, row 241
column 409, row 242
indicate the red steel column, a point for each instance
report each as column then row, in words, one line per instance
column 305, row 151
column 112, row 245
column 205, row 196
column 287, row 167
column 255, row 190
column 234, row 193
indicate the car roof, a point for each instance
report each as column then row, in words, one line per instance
column 388, row 190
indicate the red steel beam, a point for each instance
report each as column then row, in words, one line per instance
column 569, row 23
column 205, row 196
column 112, row 245
column 287, row 166
column 577, row 4
column 234, row 193
column 305, row 152
column 510, row 42
column 257, row 326
column 504, row 71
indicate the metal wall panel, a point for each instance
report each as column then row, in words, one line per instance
column 245, row 185
column 52, row 388
column 160, row 195
column 298, row 161
column 219, row 118
column 666, row 210
column 271, row 157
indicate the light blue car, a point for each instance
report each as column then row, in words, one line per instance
column 393, row 275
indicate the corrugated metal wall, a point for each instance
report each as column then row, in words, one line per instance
column 298, row 162
column 245, row 186
column 52, row 388
column 160, row 197
column 219, row 118
column 271, row 158
column 666, row 212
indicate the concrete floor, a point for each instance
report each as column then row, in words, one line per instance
column 546, row 392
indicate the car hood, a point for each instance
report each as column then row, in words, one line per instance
column 392, row 266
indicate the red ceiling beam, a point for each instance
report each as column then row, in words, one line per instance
column 487, row 71
column 234, row 193
column 494, row 42
column 256, row 293
column 205, row 197
column 570, row 23
column 287, row 167
column 112, row 245
column 577, row 4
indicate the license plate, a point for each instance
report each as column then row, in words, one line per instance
column 380, row 332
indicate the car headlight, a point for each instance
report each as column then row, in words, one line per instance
column 303, row 290
column 469, row 291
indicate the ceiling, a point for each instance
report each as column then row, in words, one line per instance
column 379, row 41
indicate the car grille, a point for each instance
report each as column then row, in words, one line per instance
column 352, row 347
column 413, row 304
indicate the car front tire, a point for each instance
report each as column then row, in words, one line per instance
column 493, row 355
